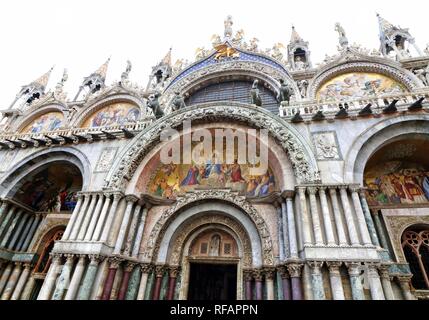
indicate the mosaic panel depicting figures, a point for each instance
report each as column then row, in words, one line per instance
column 396, row 183
column 53, row 189
column 47, row 122
column 113, row 114
column 170, row 180
column 358, row 85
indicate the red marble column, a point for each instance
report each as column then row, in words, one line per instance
column 125, row 280
column 248, row 284
column 174, row 272
column 287, row 294
column 159, row 273
column 108, row 285
column 258, row 283
column 295, row 275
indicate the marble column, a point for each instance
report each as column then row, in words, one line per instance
column 284, row 227
column 94, row 217
column 287, row 294
column 31, row 233
column 133, row 284
column 385, row 282
column 350, row 222
column 108, row 285
column 25, row 232
column 293, row 239
column 125, row 280
column 80, row 216
column 7, row 220
column 280, row 231
column 159, row 273
column 335, row 280
column 317, row 280
column 5, row 276
column 9, row 232
column 375, row 283
column 139, row 235
column 103, row 215
column 173, row 273
column 87, row 217
column 88, row 281
column 294, row 270
column 306, row 227
column 258, row 276
column 329, row 232
column 76, row 278
column 145, row 269
column 64, row 278
column 337, row 216
column 315, row 216
column 18, row 231
column 124, row 225
column 73, row 217
column 51, row 277
column 380, row 230
column 28, row 288
column 109, row 220
column 368, row 219
column 269, row 282
column 3, row 211
column 404, row 283
column 248, row 277
column 132, row 230
column 366, row 238
column 13, row 279
column 306, row 282
column 355, row 281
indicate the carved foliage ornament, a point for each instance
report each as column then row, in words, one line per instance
column 147, row 139
column 232, row 197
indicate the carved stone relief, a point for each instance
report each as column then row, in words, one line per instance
column 326, row 145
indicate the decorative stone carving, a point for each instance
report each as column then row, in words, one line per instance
column 174, row 271
column 334, row 267
column 232, row 197
column 269, row 272
column 248, row 274
column 295, row 269
column 326, row 145
column 115, row 262
column 301, row 158
column 146, row 267
column 106, row 159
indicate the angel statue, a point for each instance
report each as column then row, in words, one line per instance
column 127, row 71
column 178, row 66
column 238, row 38
column 216, row 40
column 253, row 46
column 342, row 35
column 255, row 96
column 60, row 85
column 200, row 53
column 228, row 27
column 276, row 53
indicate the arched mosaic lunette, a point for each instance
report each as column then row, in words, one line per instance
column 155, row 237
column 298, row 149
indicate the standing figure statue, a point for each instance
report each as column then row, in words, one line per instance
column 255, row 96
column 426, row 51
column 60, row 85
column 127, row 71
column 153, row 103
column 228, row 27
column 302, row 86
column 178, row 102
column 342, row 35
column 284, row 92
column 253, row 46
column 423, row 75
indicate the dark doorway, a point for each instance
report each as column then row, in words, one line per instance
column 212, row 282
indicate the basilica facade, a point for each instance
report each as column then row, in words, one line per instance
column 90, row 209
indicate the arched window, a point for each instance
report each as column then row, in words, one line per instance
column 235, row 90
column 42, row 265
column 415, row 243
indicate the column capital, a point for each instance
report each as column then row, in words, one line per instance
column 404, row 279
column 295, row 269
column 258, row 274
column 334, row 266
column 353, row 268
column 146, row 267
column 315, row 265
column 56, row 257
column 312, row 190
column 117, row 195
column 384, row 271
column 160, row 270
column 69, row 256
column 173, row 271
column 129, row 266
column 343, row 187
column 283, row 271
column 114, row 262
column 248, row 274
column 288, row 194
column 28, row 265
column 269, row 272
column 131, row 198
column 95, row 259
column 355, row 188
column 322, row 189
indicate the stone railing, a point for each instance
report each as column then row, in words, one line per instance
column 330, row 109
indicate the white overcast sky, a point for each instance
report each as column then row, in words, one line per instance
column 81, row 34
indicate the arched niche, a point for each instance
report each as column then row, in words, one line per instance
column 112, row 114
column 279, row 175
column 50, row 120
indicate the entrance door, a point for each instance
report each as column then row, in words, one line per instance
column 212, row 282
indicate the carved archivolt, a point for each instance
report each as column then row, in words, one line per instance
column 156, row 235
column 397, row 225
column 215, row 220
column 403, row 76
column 300, row 153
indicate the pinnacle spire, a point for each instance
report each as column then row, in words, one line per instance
column 42, row 81
column 167, row 58
column 384, row 24
column 295, row 36
column 102, row 70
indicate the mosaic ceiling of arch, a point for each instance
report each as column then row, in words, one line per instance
column 113, row 114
